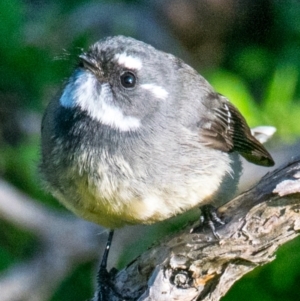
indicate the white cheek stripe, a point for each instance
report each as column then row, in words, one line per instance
column 84, row 91
column 114, row 117
column 128, row 61
column 157, row 91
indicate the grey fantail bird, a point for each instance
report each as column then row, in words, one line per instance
column 138, row 136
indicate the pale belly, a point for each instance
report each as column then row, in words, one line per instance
column 114, row 207
column 112, row 192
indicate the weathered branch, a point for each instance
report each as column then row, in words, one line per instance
column 198, row 266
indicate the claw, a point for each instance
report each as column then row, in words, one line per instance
column 209, row 217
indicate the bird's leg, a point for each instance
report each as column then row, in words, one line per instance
column 209, row 217
column 103, row 277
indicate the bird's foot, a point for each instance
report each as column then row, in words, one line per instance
column 103, row 280
column 105, row 285
column 104, row 277
column 210, row 218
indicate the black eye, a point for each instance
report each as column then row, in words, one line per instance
column 128, row 79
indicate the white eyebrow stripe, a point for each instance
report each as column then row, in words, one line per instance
column 156, row 90
column 129, row 61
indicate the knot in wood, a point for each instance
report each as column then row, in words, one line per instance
column 181, row 279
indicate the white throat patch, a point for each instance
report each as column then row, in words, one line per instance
column 85, row 92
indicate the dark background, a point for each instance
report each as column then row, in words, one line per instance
column 249, row 51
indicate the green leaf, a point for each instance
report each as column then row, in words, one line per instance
column 281, row 90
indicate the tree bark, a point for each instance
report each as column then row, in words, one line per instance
column 198, row 266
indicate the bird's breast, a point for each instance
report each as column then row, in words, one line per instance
column 113, row 192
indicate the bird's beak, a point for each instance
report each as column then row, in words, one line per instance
column 89, row 63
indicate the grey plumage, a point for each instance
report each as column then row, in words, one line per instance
column 138, row 136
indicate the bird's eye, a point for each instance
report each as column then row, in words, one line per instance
column 128, row 79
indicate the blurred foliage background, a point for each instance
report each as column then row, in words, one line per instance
column 248, row 50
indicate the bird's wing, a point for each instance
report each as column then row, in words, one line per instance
column 224, row 128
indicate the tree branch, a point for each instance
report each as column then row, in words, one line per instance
column 199, row 267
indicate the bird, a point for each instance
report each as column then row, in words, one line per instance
column 137, row 136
